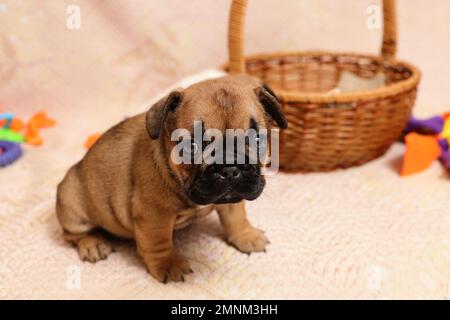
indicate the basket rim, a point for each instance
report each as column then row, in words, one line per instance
column 336, row 98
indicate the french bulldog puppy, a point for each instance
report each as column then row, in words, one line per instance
column 129, row 185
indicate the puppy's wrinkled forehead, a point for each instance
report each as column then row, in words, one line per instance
column 219, row 105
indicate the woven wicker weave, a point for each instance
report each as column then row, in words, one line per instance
column 331, row 130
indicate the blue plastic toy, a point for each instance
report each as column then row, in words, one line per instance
column 8, row 116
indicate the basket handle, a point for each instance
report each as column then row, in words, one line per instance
column 236, row 33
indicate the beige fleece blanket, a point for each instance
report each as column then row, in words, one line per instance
column 359, row 233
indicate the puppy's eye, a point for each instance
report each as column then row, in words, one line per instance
column 194, row 147
column 255, row 138
column 190, row 147
column 261, row 140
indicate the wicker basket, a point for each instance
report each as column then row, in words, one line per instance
column 331, row 130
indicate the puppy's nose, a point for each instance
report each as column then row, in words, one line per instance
column 231, row 173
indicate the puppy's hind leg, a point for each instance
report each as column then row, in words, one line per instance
column 92, row 246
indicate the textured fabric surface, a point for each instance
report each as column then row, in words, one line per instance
column 358, row 233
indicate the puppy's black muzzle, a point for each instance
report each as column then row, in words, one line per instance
column 222, row 183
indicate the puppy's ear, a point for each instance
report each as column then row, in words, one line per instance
column 157, row 114
column 271, row 105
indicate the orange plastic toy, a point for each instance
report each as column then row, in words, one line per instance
column 91, row 140
column 421, row 151
column 38, row 121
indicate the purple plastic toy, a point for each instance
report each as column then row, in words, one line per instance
column 10, row 152
column 445, row 159
column 433, row 125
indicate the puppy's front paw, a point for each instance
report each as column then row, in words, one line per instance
column 249, row 240
column 170, row 268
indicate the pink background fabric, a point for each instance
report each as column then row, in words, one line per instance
column 126, row 51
